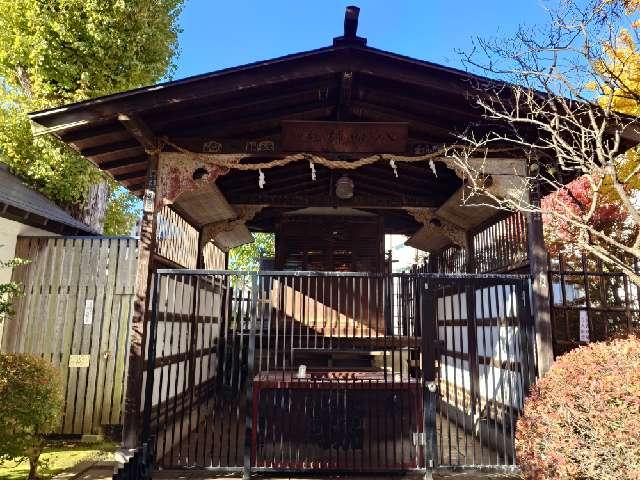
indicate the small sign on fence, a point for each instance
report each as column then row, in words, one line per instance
column 584, row 326
column 79, row 361
column 88, row 312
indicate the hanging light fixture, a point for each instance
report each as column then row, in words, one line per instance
column 344, row 187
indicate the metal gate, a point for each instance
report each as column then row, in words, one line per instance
column 335, row 372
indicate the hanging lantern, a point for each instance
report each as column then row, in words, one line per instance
column 344, row 188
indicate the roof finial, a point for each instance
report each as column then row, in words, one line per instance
column 351, row 21
column 350, row 36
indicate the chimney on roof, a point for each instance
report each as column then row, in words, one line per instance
column 350, row 36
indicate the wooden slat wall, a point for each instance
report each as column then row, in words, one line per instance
column 501, row 246
column 63, row 273
column 176, row 240
column 498, row 247
column 452, row 259
column 214, row 258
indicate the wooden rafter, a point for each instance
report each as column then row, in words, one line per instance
column 138, row 130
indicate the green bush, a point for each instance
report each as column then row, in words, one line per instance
column 582, row 420
column 30, row 406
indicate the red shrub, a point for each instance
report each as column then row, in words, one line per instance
column 582, row 420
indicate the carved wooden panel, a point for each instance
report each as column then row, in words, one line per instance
column 345, row 137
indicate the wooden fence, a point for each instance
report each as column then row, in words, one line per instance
column 76, row 312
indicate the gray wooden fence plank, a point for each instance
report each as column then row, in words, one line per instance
column 126, row 282
column 99, row 280
column 82, row 249
column 87, row 284
column 74, row 250
column 107, row 320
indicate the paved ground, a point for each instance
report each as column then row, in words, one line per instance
column 468, row 475
column 104, row 471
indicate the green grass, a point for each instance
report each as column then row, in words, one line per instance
column 58, row 457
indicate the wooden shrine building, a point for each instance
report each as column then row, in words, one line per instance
column 329, row 149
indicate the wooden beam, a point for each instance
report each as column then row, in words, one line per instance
column 132, row 425
column 359, row 201
column 138, row 130
column 252, row 123
column 109, row 148
column 123, row 162
column 416, row 104
column 131, row 175
column 264, row 74
column 249, row 182
column 380, row 113
column 344, row 97
column 540, row 301
column 228, row 109
column 90, row 137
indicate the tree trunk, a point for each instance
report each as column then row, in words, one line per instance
column 33, row 465
column 93, row 212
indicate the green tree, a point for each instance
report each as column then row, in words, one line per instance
column 59, row 51
column 247, row 257
column 9, row 291
column 30, row 406
column 122, row 212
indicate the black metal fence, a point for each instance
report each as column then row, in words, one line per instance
column 308, row 371
column 590, row 302
column 139, row 466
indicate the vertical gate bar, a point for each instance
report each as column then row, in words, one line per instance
column 315, row 312
column 627, row 305
column 444, row 358
column 472, row 351
column 222, row 361
column 306, row 316
column 270, row 311
column 179, row 318
column 151, row 360
column 456, row 356
column 603, row 297
column 487, row 368
column 186, row 389
column 511, row 363
column 353, row 394
column 211, row 393
column 243, row 309
column 171, row 280
column 232, row 352
column 191, row 355
column 494, row 316
column 200, row 355
column 527, row 338
column 565, row 310
column 402, row 314
column 429, row 353
column 291, row 366
column 278, row 312
column 155, row 304
column 417, row 367
column 587, row 292
column 500, row 321
column 249, row 431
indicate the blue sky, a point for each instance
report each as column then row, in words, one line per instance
column 218, row 34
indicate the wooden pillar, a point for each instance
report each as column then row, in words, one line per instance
column 471, row 252
column 541, row 308
column 202, row 242
column 132, row 417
